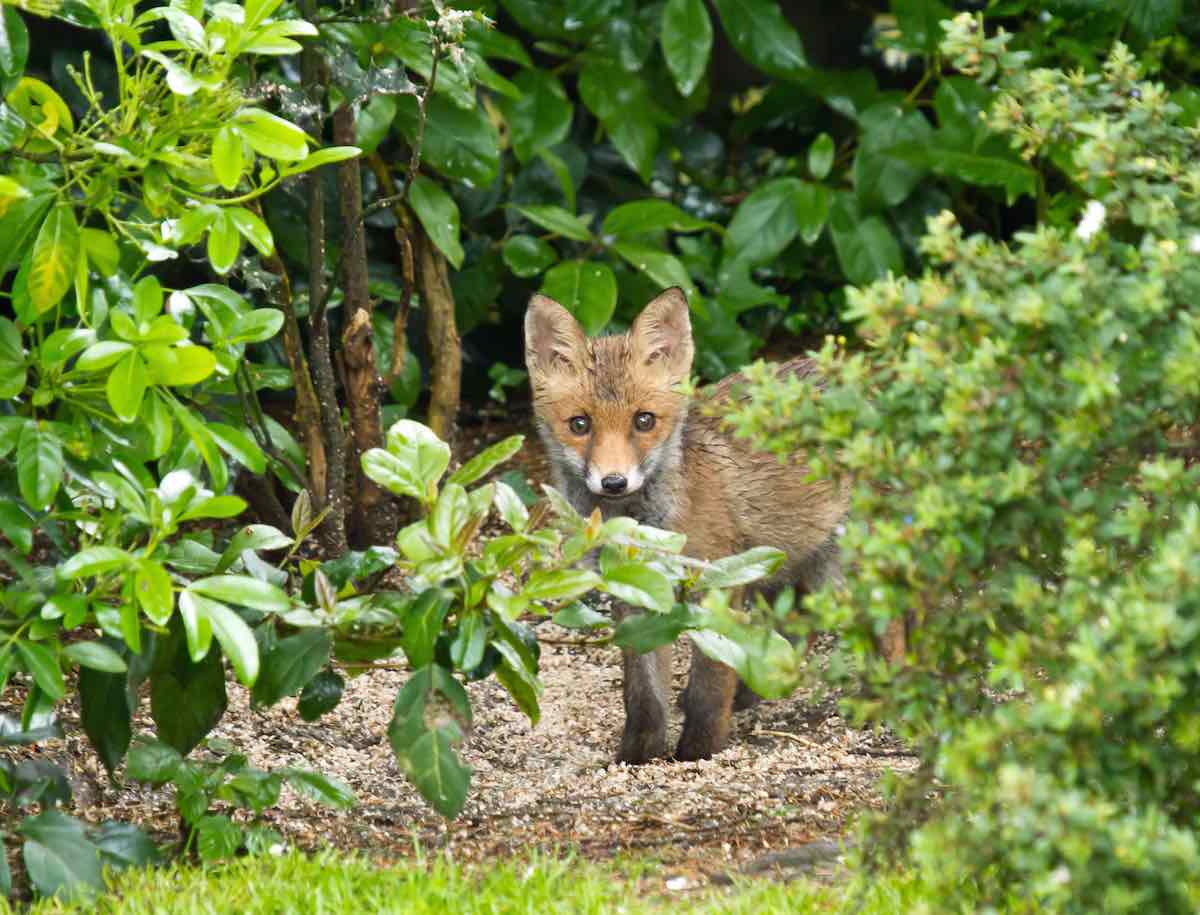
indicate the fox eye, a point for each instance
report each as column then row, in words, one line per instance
column 580, row 425
column 644, row 422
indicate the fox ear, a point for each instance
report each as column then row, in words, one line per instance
column 662, row 335
column 554, row 341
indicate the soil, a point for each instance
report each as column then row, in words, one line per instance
column 792, row 777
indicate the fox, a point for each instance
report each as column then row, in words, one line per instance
column 622, row 437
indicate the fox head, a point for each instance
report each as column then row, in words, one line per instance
column 608, row 405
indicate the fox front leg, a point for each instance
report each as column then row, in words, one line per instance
column 707, row 707
column 646, row 688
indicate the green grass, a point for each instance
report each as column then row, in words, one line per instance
column 334, row 883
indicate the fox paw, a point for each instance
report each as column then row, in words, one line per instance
column 696, row 744
column 638, row 747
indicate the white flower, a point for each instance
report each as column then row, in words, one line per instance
column 277, row 849
column 1092, row 221
column 175, row 484
column 1194, row 243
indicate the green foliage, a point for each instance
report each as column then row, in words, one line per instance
column 1021, row 433
column 228, row 778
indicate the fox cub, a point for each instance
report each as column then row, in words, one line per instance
column 621, row 438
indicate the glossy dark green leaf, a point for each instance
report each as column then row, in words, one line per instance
column 438, row 213
column 123, row 845
column 291, row 664
column 39, row 465
column 664, row 269
column 42, row 662
column 16, row 526
column 321, row 695
column 686, row 37
column 524, row 255
column 587, row 289
column 541, row 116
column 153, row 761
column 646, row 217
column 1154, row 18
column 621, row 101
column 640, row 586
column 425, row 749
column 763, row 37
column 95, row 655
column 580, row 616
column 557, row 220
column 188, row 698
column 765, row 222
column 882, row 178
column 106, row 713
column 459, row 143
column 12, row 360
column 521, row 682
column 14, row 44
column 865, row 246
column 126, row 386
column 217, row 837
column 422, row 623
column 323, row 788
column 647, row 631
column 59, row 858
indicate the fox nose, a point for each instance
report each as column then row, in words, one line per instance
column 614, row 484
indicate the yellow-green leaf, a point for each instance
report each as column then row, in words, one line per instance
column 52, row 262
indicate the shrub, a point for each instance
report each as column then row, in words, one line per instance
column 1022, row 432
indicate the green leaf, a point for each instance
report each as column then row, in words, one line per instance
column 765, row 222
column 236, row 639
column 243, row 591
column 587, row 289
column 373, row 122
column 422, row 622
column 253, row 229
column 318, row 158
column 510, row 505
column 646, row 217
column 686, row 37
column 974, row 168
column 664, row 269
column 487, row 461
column 224, row 242
column 96, row 656
column 733, row 571
column 106, row 713
column 256, row 326
column 100, row 356
column 58, row 856
column 52, row 261
column 329, row 791
column 881, row 177
column 640, row 586
column 425, row 750
column 123, row 845
column 126, row 386
column 760, row 34
column 321, row 695
column 253, row 537
column 621, row 102
column 524, row 255
column 439, row 215
column 14, row 46
column 812, row 211
column 153, row 590
column 865, row 247
column 153, row 761
column 239, row 446
column 12, row 360
column 271, row 136
column 557, row 220
column 560, row 584
column 16, row 526
column 101, row 249
column 39, row 465
column 42, row 663
column 460, row 143
column 646, row 631
column 522, row 684
column 217, row 837
column 540, row 117
column 467, row 649
column 580, row 616
column 820, row 156
column 227, row 161
column 418, row 459
column 1154, row 18
column 291, row 664
column 94, row 560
